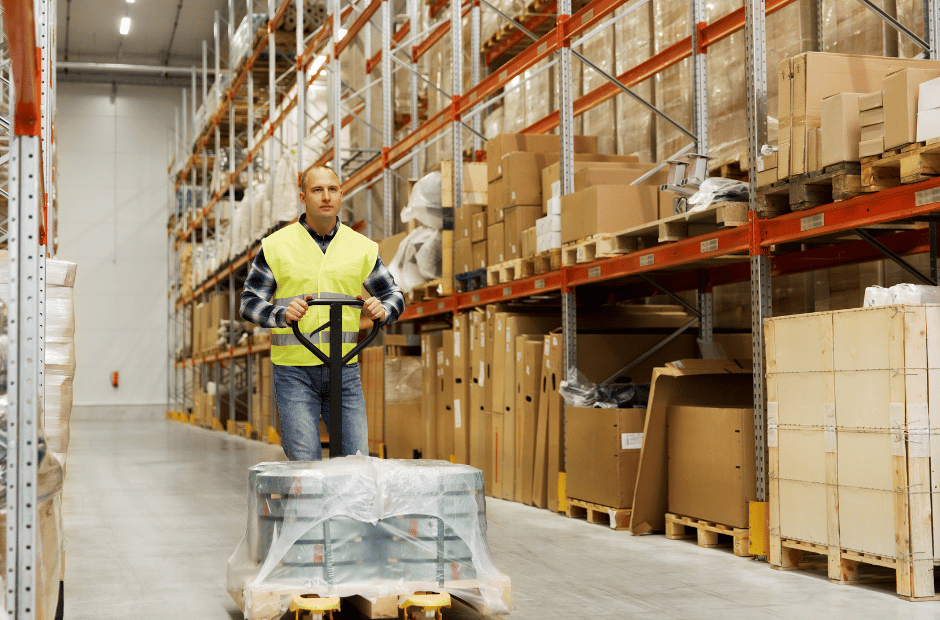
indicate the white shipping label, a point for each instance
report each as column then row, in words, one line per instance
column 456, row 344
column 482, row 373
column 545, row 351
column 771, row 436
column 518, row 356
column 829, row 416
column 514, row 195
column 554, row 341
column 440, row 357
column 508, row 342
column 631, row 441
column 456, row 413
column 528, row 372
column 772, row 415
column 829, row 435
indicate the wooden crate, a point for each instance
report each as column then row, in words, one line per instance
column 849, row 426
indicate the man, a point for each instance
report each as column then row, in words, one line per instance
column 317, row 257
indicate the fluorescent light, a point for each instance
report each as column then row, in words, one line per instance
column 130, row 1
column 125, row 25
column 317, row 63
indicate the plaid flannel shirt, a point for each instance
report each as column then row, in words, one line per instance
column 260, row 287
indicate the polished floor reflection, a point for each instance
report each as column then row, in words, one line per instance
column 153, row 510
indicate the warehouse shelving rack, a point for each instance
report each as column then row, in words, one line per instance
column 27, row 188
column 751, row 253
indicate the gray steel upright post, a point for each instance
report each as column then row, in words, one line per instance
column 367, row 98
column 456, row 51
column 756, row 75
column 336, row 91
column 272, row 100
column 23, row 392
column 388, row 195
column 569, row 306
column 231, row 196
column 414, row 15
column 475, row 73
column 699, row 82
column 932, row 27
column 301, row 91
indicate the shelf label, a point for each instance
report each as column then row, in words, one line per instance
column 440, row 305
column 593, row 272
column 540, row 283
column 507, row 290
column 709, row 246
column 419, row 310
column 813, row 221
column 927, row 196
column 647, row 259
column 475, row 298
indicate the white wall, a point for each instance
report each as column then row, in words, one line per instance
column 112, row 200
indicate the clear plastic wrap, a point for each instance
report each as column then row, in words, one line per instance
column 672, row 86
column 424, row 204
column 60, row 313
column 357, row 525
column 514, row 106
column 717, row 189
column 244, row 34
column 493, row 123
column 901, row 294
column 403, row 380
column 285, row 206
column 599, row 120
column 579, row 391
column 633, row 37
column 57, row 411
column 60, row 356
column 418, row 258
column 537, row 105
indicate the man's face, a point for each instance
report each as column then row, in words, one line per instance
column 323, row 196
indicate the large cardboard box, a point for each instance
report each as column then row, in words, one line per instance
column 711, row 463
column 546, row 387
column 463, row 256
column 497, row 199
column 818, row 75
column 494, row 454
column 522, row 175
column 691, row 382
column 495, row 244
column 528, row 379
column 461, row 370
column 785, row 115
column 430, row 347
column 533, row 143
column 404, row 424
column 607, row 208
column 530, row 241
column 603, row 454
column 900, row 92
column 840, row 128
column 555, row 454
column 388, row 247
column 518, row 219
column 474, row 183
column 478, row 228
column 478, row 255
column 617, row 164
column 445, row 394
column 464, row 218
column 490, row 349
column 477, row 413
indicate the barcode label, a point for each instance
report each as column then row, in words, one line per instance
column 709, row 246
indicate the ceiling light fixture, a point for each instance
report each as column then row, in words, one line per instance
column 130, row 1
column 125, row 25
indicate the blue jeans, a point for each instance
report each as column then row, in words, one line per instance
column 303, row 397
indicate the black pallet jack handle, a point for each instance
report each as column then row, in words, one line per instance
column 336, row 359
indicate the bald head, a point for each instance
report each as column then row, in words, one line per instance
column 306, row 175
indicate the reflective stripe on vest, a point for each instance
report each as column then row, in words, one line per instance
column 299, row 266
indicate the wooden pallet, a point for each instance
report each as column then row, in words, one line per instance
column 427, row 290
column 707, row 533
column 901, row 166
column 547, row 261
column 616, row 518
column 846, row 567
column 805, row 191
column 674, row 228
column 509, row 271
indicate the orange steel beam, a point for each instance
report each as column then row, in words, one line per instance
column 278, row 15
column 357, row 25
column 436, row 7
column 396, row 38
column 679, row 51
column 319, row 40
column 20, row 22
column 548, row 12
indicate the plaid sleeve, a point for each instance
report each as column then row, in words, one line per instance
column 381, row 284
column 260, row 286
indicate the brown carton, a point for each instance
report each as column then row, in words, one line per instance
column 900, row 91
column 607, row 208
column 528, row 379
column 871, row 132
column 477, row 409
column 389, row 246
column 495, row 248
column 870, row 101
column 430, row 346
column 840, row 128
column 518, row 219
column 497, row 199
column 527, row 142
column 711, row 463
column 478, row 228
column 445, row 391
column 461, row 363
column 522, row 175
column 870, row 148
column 555, row 454
column 529, row 239
column 784, row 115
column 464, row 218
column 603, row 454
column 624, row 164
column 478, row 255
column 463, row 256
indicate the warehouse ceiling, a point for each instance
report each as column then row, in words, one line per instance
column 162, row 32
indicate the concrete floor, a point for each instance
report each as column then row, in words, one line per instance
column 153, row 510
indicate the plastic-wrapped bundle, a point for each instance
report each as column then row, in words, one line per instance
column 285, row 205
column 901, row 294
column 537, row 105
column 418, row 258
column 634, row 37
column 60, row 312
column 224, row 243
column 599, row 120
column 514, row 105
column 244, row 35
column 424, row 204
column 364, row 526
column 240, row 228
column 258, row 225
column 57, row 408
column 493, row 123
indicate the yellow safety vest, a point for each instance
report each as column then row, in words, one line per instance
column 301, row 268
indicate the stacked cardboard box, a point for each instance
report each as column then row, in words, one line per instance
column 871, row 119
column 469, row 232
column 473, row 202
column 850, row 440
column 805, row 80
column 901, row 91
column 263, row 395
column 841, row 131
column 403, row 424
column 372, row 375
column 928, row 110
column 430, row 347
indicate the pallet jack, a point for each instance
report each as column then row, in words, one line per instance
column 421, row 604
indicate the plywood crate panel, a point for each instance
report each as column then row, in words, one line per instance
column 851, row 440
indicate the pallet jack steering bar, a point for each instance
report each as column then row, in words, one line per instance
column 336, row 359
